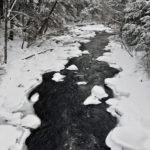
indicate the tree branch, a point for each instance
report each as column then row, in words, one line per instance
column 10, row 10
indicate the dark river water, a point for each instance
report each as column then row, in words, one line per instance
column 66, row 123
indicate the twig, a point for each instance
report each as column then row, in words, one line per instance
column 29, row 57
column 37, row 54
column 21, row 13
column 11, row 8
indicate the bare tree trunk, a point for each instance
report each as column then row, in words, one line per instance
column 6, row 31
column 44, row 26
column 1, row 8
column 11, row 33
column 23, row 35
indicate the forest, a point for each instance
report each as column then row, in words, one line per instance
column 31, row 19
column 74, row 74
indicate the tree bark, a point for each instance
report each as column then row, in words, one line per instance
column 11, row 22
column 1, row 8
column 45, row 22
column 6, row 31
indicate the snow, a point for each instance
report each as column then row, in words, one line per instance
column 10, row 136
column 98, row 27
column 92, row 100
column 24, row 72
column 131, row 100
column 58, row 77
column 85, row 52
column 107, row 58
column 129, row 138
column 34, row 98
column 30, row 121
column 88, row 31
column 97, row 93
column 72, row 67
column 82, row 83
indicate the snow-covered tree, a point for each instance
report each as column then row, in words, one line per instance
column 136, row 30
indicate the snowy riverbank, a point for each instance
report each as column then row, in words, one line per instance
column 23, row 72
column 131, row 102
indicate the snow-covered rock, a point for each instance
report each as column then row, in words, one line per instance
column 106, row 59
column 58, row 77
column 35, row 98
column 92, row 100
column 82, row 83
column 97, row 93
column 85, row 52
column 72, row 67
column 30, row 121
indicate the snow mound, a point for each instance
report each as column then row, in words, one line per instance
column 112, row 101
column 87, row 35
column 35, row 98
column 8, row 116
column 97, row 93
column 9, row 136
column 99, row 27
column 107, row 54
column 72, row 67
column 118, row 86
column 92, row 100
column 82, row 83
column 129, row 137
column 106, row 59
column 58, row 77
column 85, row 52
column 30, row 121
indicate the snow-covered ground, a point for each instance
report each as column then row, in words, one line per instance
column 131, row 104
column 23, row 72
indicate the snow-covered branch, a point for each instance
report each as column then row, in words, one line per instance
column 10, row 10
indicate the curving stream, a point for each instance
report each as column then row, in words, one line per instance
column 67, row 124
